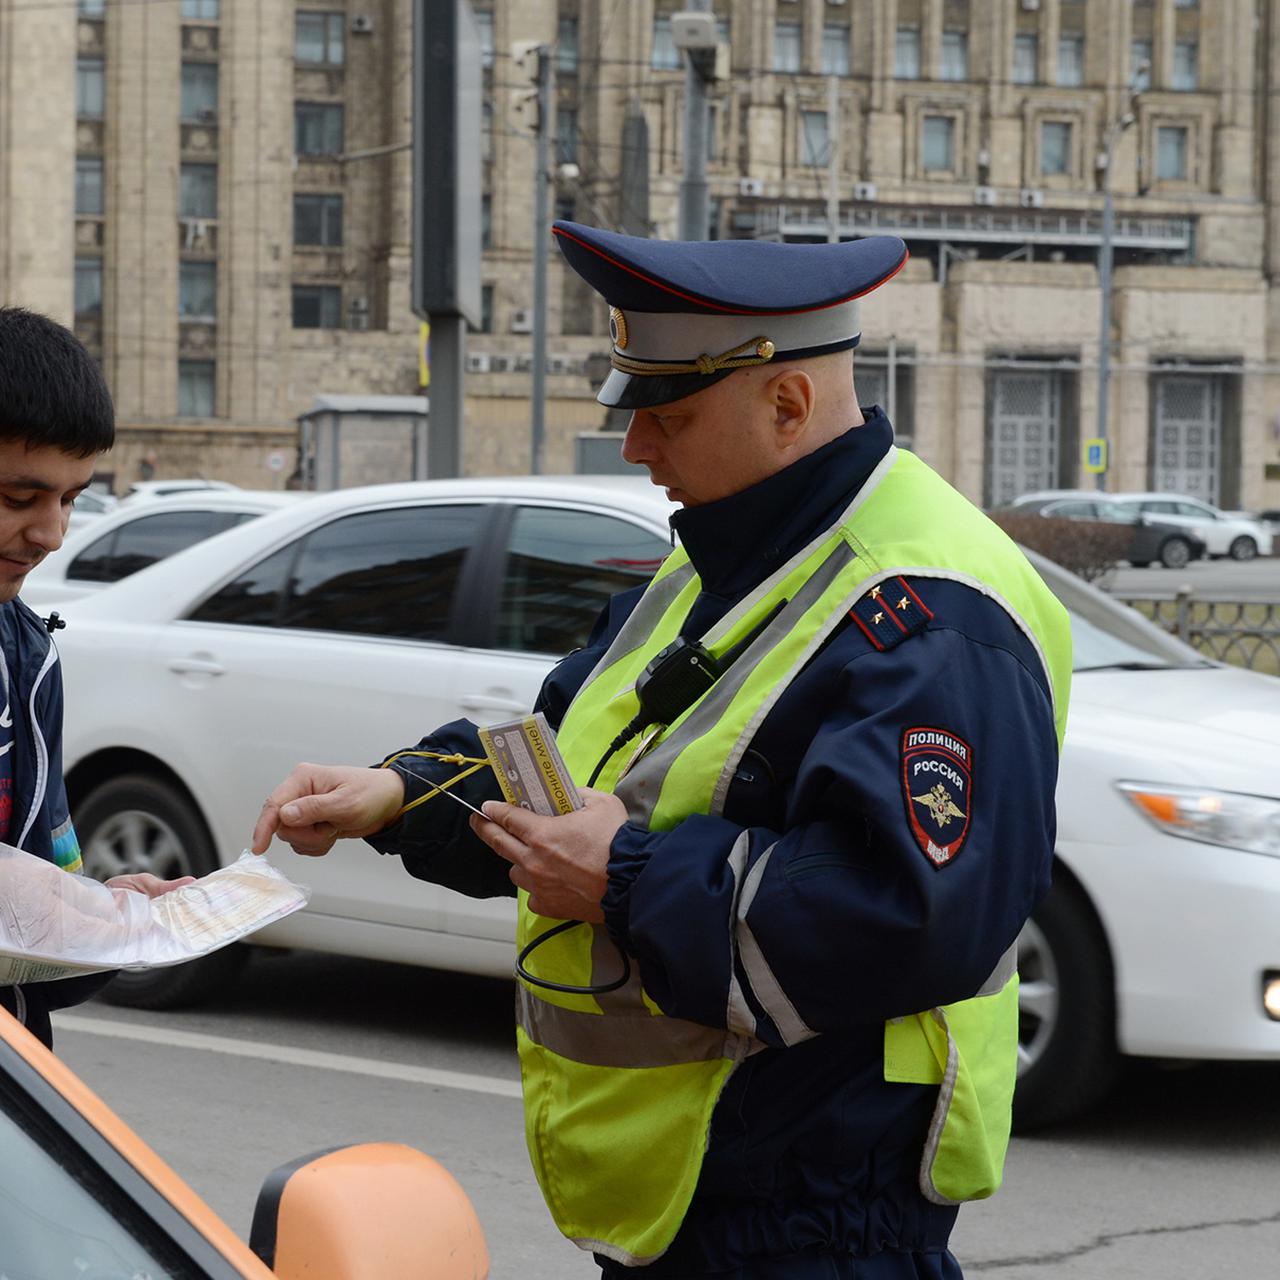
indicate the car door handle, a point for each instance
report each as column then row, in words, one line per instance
column 484, row 702
column 196, row 667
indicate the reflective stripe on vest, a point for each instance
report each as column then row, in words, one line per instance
column 618, row 1096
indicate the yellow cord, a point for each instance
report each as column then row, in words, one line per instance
column 457, row 758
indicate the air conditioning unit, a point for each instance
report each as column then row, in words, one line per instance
column 864, row 190
column 477, row 362
column 522, row 364
column 558, row 364
column 499, row 364
column 522, row 320
column 362, row 24
column 984, row 195
column 835, row 4
column 751, row 187
column 359, row 305
column 1031, row 5
column 1031, row 198
column 195, row 233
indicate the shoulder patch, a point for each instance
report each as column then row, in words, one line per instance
column 890, row 612
column 937, row 789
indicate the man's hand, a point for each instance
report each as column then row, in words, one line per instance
column 560, row 861
column 317, row 803
column 145, row 882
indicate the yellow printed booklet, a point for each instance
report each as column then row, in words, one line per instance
column 529, row 767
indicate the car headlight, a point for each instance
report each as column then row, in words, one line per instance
column 1227, row 818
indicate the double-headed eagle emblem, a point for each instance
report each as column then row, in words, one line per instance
column 940, row 804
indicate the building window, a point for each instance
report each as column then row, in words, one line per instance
column 566, row 135
column 938, row 152
column 198, row 191
column 1186, row 58
column 815, row 140
column 318, row 38
column 88, row 185
column 317, row 220
column 317, row 306
column 665, row 56
column 88, row 287
column 486, row 221
column 91, row 87
column 1055, row 147
column 906, row 53
column 91, row 8
column 1071, row 61
column 197, row 291
column 195, row 388
column 1140, row 64
column 484, row 25
column 1026, row 59
column 1171, row 153
column 567, row 47
column 835, row 50
column 317, row 128
column 200, row 92
column 788, row 46
column 486, row 130
column 955, row 56
column 486, row 311
column 200, row 10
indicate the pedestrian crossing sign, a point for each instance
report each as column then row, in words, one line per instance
column 1095, row 456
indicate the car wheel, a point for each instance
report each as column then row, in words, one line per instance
column 139, row 823
column 1244, row 548
column 1067, row 1058
column 1175, row 553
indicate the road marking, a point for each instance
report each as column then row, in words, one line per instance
column 289, row 1056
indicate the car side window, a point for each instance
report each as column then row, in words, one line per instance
column 1193, row 509
column 562, row 566
column 1074, row 510
column 381, row 573
column 93, row 564
column 1161, row 508
column 253, row 598
column 142, row 542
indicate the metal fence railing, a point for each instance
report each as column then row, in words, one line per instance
column 1244, row 633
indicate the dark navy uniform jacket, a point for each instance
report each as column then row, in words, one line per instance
column 39, row 822
column 811, row 1152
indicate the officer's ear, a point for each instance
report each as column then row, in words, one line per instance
column 791, row 393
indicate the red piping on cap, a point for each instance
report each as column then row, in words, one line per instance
column 702, row 302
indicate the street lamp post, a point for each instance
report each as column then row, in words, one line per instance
column 1114, row 130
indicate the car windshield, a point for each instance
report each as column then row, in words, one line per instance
column 1109, row 635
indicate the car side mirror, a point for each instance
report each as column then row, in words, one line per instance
column 373, row 1211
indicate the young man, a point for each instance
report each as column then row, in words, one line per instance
column 56, row 418
column 781, row 1042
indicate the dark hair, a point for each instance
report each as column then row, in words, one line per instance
column 51, row 389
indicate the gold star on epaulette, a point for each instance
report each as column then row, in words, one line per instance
column 902, row 604
column 878, row 619
column 875, row 593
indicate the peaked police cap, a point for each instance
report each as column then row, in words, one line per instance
column 684, row 314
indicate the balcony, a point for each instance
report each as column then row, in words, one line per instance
column 958, row 226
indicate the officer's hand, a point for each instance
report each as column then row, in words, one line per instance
column 145, row 882
column 561, row 861
column 318, row 803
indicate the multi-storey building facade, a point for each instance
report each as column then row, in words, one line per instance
column 217, row 194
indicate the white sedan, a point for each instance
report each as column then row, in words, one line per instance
column 350, row 624
column 130, row 536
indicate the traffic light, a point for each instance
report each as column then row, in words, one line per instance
column 448, row 92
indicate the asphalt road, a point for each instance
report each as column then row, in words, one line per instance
column 1224, row 579
column 1177, row 1178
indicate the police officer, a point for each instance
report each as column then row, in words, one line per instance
column 781, row 1041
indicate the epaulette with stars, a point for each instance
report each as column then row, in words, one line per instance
column 890, row 612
